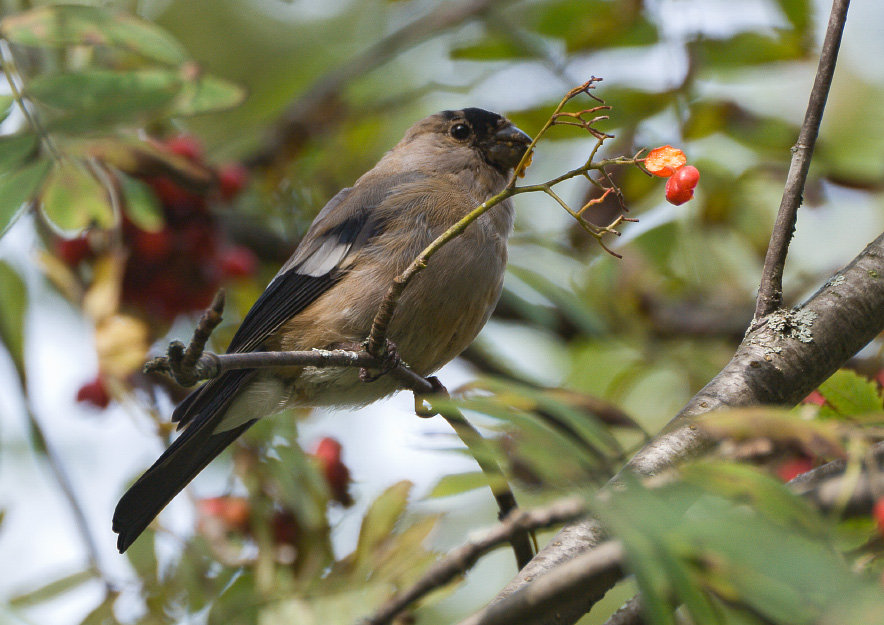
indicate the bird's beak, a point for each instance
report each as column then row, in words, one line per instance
column 508, row 146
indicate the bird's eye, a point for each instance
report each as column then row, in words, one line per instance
column 460, row 132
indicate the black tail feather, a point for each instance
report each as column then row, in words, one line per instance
column 187, row 456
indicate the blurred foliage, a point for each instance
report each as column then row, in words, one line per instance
column 586, row 353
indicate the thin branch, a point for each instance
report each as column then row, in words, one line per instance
column 67, row 489
column 770, row 292
column 556, row 591
column 456, row 563
column 831, row 487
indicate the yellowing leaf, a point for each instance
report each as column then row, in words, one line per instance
column 103, row 297
column 61, row 276
column 121, row 343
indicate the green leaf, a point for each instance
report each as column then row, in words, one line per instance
column 457, row 483
column 798, row 12
column 103, row 614
column 566, row 302
column 142, row 206
column 97, row 97
column 768, row 495
column 17, row 187
column 493, row 47
column 14, row 149
column 850, row 394
column 74, row 199
column 207, row 94
column 51, row 590
column 6, row 102
column 748, row 48
column 68, row 25
column 13, row 307
column 777, row 570
column 595, row 24
column 143, row 558
column 380, row 520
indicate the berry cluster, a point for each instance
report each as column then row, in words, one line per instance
column 178, row 268
column 669, row 162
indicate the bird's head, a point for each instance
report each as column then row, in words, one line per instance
column 469, row 140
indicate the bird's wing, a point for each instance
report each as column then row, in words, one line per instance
column 339, row 231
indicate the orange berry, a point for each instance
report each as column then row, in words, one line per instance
column 665, row 161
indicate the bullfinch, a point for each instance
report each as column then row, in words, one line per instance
column 327, row 294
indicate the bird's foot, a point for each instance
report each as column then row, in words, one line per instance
column 391, row 360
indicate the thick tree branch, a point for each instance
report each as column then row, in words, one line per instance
column 770, row 293
column 778, row 363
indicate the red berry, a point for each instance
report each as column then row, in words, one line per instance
column 815, row 397
column 234, row 512
column 73, row 251
column 232, row 179
column 336, row 473
column 878, row 514
column 187, row 146
column 793, row 467
column 676, row 194
column 328, row 450
column 152, row 246
column 686, row 177
column 94, row 393
column 238, row 262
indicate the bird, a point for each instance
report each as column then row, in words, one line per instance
column 327, row 293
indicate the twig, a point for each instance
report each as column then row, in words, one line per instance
column 67, row 490
column 464, row 557
column 770, row 292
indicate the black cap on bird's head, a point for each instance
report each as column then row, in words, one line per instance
column 497, row 139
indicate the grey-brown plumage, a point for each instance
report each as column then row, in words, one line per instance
column 329, row 291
